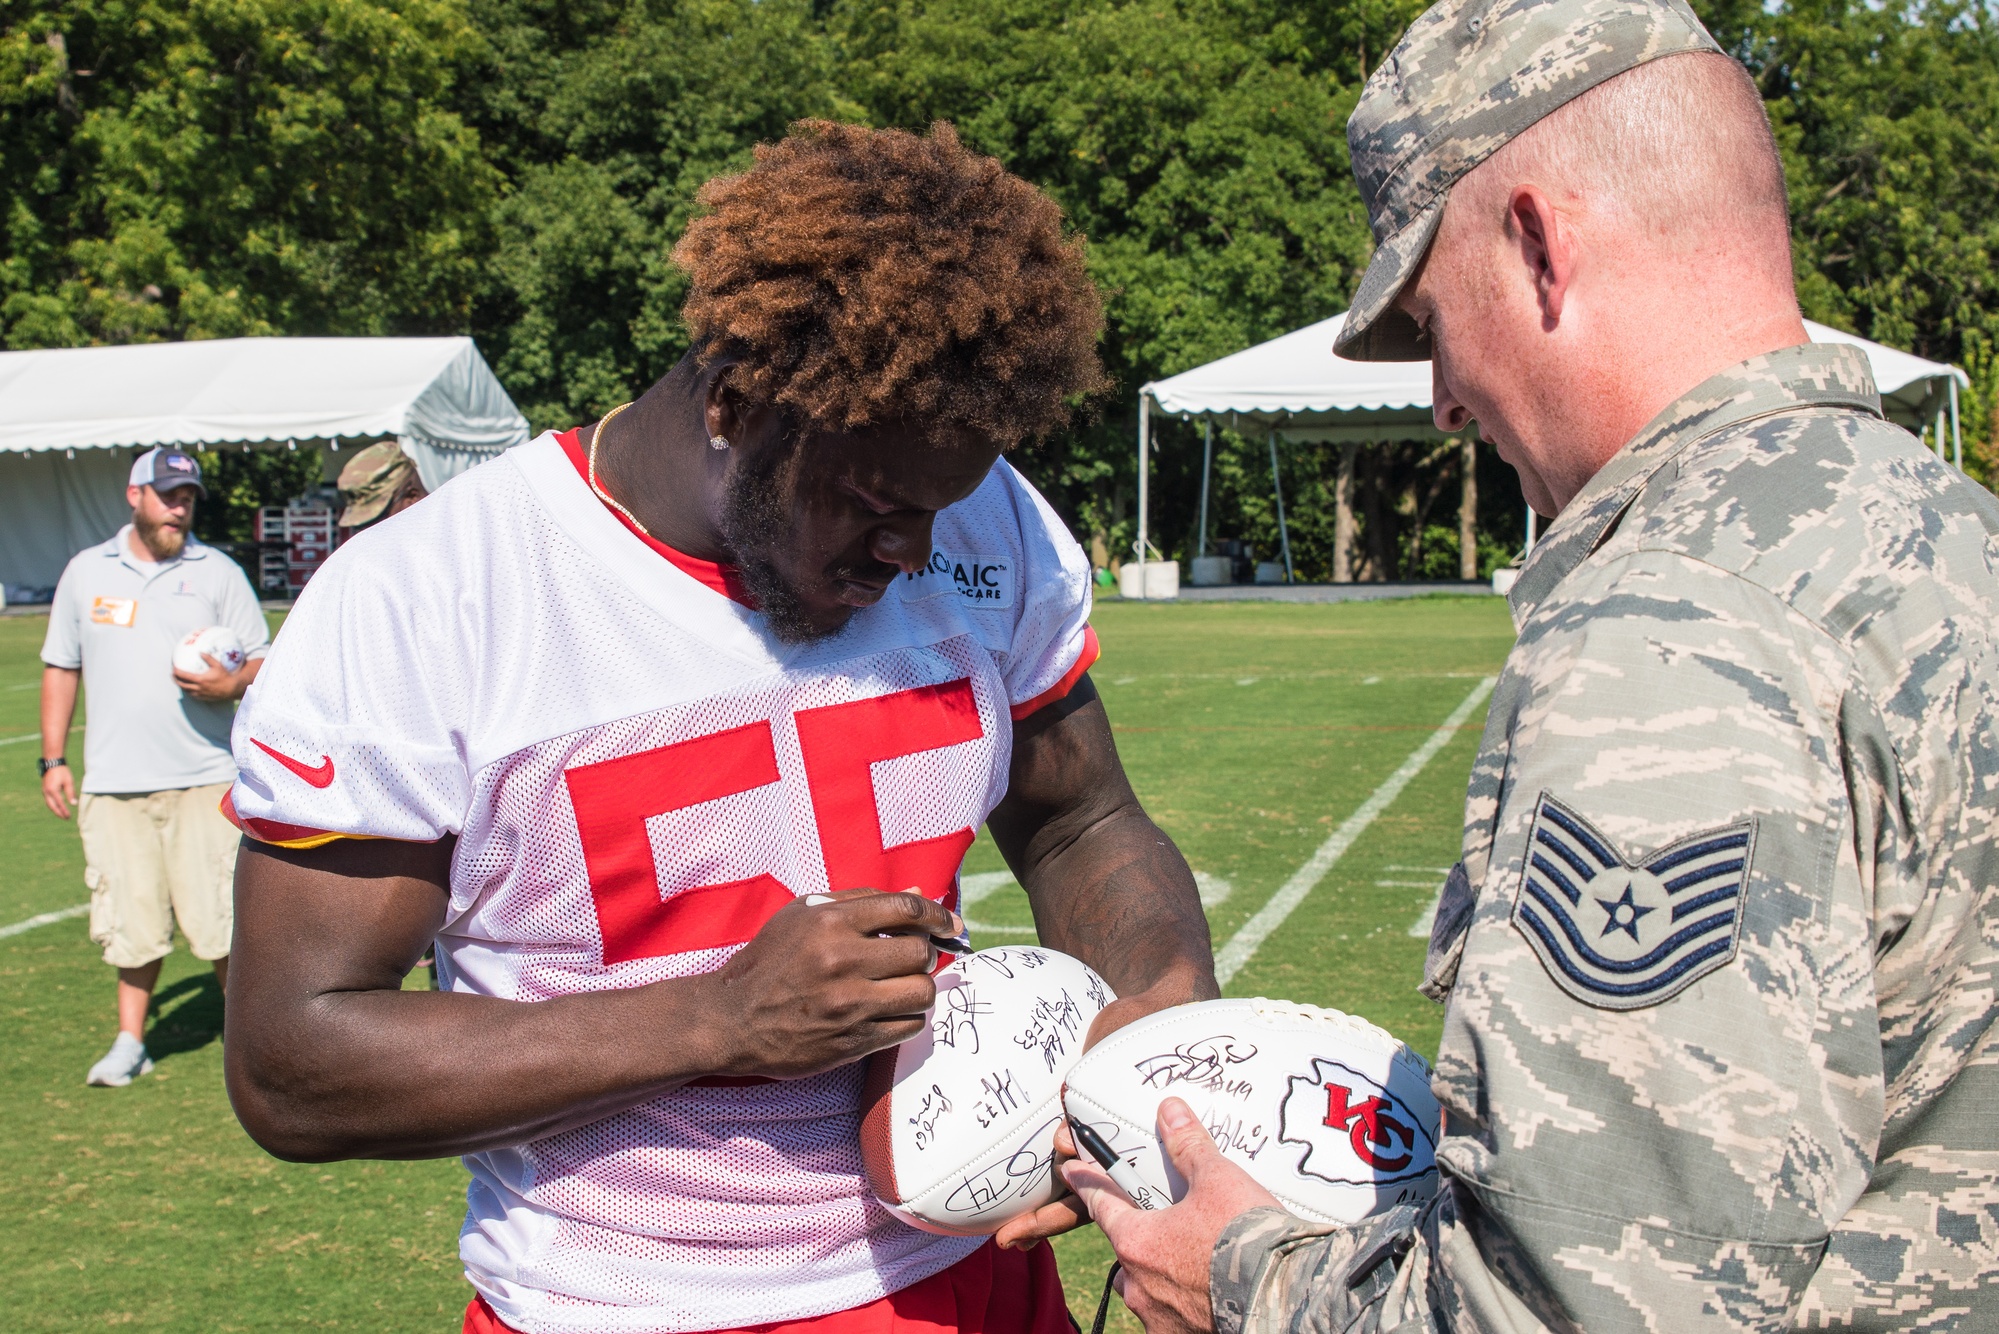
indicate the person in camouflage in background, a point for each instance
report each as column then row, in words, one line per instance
column 1721, row 961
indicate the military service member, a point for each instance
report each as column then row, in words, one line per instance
column 378, row 483
column 1721, row 961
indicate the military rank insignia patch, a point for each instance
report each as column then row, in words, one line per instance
column 1622, row 936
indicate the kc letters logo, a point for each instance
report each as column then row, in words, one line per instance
column 980, row 580
column 1622, row 936
column 1355, row 1131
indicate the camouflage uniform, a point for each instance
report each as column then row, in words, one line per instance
column 1722, row 957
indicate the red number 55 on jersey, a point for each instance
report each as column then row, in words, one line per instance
column 840, row 744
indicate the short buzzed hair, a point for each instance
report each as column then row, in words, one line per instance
column 1683, row 142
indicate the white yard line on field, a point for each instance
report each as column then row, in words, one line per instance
column 1420, row 928
column 30, row 736
column 44, row 919
column 1243, row 946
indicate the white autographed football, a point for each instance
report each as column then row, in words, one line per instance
column 958, row 1125
column 217, row 641
column 1331, row 1114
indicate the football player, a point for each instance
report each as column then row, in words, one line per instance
column 601, row 715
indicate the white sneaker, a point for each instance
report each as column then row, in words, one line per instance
column 126, row 1061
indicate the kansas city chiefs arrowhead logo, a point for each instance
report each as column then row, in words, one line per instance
column 1355, row 1132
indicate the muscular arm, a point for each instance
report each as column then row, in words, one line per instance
column 327, row 1057
column 1106, row 885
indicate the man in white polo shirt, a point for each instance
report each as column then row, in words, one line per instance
column 156, row 847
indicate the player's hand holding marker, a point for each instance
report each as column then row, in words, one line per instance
column 825, row 983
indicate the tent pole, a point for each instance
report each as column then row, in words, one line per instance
column 1207, row 463
column 1936, row 432
column 1277, row 485
column 1956, row 436
column 1144, row 495
column 1531, row 516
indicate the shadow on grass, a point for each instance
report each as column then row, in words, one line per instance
column 186, row 1016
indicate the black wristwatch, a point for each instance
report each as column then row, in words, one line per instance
column 42, row 767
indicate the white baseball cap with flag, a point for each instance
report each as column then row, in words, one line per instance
column 165, row 469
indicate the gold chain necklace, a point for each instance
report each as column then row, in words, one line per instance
column 597, row 438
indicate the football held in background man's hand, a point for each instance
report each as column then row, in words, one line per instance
column 218, row 642
column 958, row 1129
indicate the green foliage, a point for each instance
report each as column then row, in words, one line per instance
column 520, row 169
column 1200, row 145
column 1888, row 117
column 239, row 482
column 226, row 167
column 607, row 119
column 1405, row 503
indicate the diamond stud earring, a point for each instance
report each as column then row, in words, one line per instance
column 718, row 442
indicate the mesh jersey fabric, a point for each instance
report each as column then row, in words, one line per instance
column 638, row 775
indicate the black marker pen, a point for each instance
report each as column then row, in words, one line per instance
column 1116, row 1168
column 958, row 944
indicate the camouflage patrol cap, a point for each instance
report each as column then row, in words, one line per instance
column 1465, row 78
column 371, row 480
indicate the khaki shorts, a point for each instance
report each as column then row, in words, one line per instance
column 154, row 858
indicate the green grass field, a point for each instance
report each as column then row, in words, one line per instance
column 1251, row 732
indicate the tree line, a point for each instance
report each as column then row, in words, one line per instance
column 519, row 169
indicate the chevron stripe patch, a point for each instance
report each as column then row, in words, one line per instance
column 1624, row 935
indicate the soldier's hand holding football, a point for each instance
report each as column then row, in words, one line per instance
column 1066, row 1212
column 1164, row 1254
column 824, row 984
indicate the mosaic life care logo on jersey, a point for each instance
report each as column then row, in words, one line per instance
column 980, row 580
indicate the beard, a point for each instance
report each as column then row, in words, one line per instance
column 757, row 523
column 164, row 540
column 755, row 517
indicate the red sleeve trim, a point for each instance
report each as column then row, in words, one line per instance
column 276, row 832
column 1060, row 690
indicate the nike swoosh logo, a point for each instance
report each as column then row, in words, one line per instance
column 319, row 775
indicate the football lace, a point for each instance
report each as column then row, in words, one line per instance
column 1352, row 1024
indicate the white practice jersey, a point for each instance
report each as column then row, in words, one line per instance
column 639, row 775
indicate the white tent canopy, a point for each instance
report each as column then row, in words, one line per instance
column 71, row 420
column 1296, row 384
column 1297, row 390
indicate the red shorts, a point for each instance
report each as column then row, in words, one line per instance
column 990, row 1291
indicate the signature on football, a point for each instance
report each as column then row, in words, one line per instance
column 1051, row 1027
column 997, row 1099
column 1203, row 1064
column 957, row 1020
column 1002, row 963
column 928, row 1113
column 1019, row 1176
column 1245, row 1140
